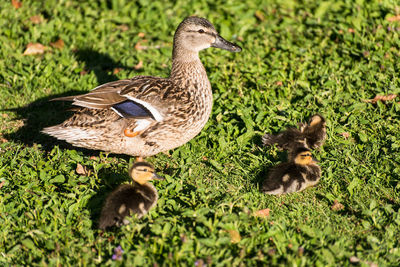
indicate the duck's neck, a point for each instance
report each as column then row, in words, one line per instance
column 187, row 65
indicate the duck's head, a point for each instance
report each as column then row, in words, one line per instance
column 142, row 172
column 195, row 34
column 316, row 120
column 303, row 156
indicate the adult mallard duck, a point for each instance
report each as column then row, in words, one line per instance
column 126, row 199
column 146, row 115
column 294, row 176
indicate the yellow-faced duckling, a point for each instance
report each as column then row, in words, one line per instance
column 145, row 115
column 311, row 135
column 138, row 198
column 293, row 176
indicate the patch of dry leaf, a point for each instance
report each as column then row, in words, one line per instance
column 123, row 27
column 139, row 65
column 34, row 49
column 37, row 19
column 235, row 236
column 81, row 170
column 382, row 98
column 59, row 44
column 17, row 4
column 337, row 205
column 394, row 18
column 116, row 70
column 262, row 213
column 38, row 48
column 356, row 260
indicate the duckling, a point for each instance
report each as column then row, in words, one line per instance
column 145, row 115
column 311, row 135
column 138, row 198
column 293, row 176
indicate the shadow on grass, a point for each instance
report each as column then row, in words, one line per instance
column 101, row 64
column 44, row 113
column 108, row 182
column 262, row 173
column 37, row 115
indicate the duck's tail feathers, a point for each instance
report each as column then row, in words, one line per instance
column 71, row 134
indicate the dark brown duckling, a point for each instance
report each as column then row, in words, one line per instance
column 138, row 198
column 293, row 176
column 311, row 135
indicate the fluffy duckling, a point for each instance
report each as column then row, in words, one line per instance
column 293, row 176
column 138, row 198
column 311, row 135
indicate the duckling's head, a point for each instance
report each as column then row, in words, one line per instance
column 195, row 34
column 142, row 172
column 303, row 156
column 316, row 120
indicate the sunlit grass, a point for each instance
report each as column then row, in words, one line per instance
column 298, row 58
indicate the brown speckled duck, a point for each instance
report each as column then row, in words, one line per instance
column 293, row 176
column 146, row 115
column 311, row 135
column 128, row 199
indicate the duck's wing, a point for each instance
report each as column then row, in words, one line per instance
column 103, row 96
column 142, row 96
column 284, row 140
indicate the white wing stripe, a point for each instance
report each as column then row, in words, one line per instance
column 157, row 116
column 116, row 111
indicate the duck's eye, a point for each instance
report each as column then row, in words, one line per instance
column 201, row 31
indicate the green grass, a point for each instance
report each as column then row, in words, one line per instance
column 298, row 58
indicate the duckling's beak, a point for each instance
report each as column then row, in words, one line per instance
column 314, row 160
column 157, row 177
column 224, row 44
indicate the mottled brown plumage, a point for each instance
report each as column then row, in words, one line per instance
column 128, row 199
column 293, row 176
column 146, row 115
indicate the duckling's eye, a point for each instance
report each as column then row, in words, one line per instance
column 201, row 31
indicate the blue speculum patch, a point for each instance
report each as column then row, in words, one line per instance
column 131, row 109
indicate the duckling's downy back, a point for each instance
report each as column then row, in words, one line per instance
column 125, row 201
